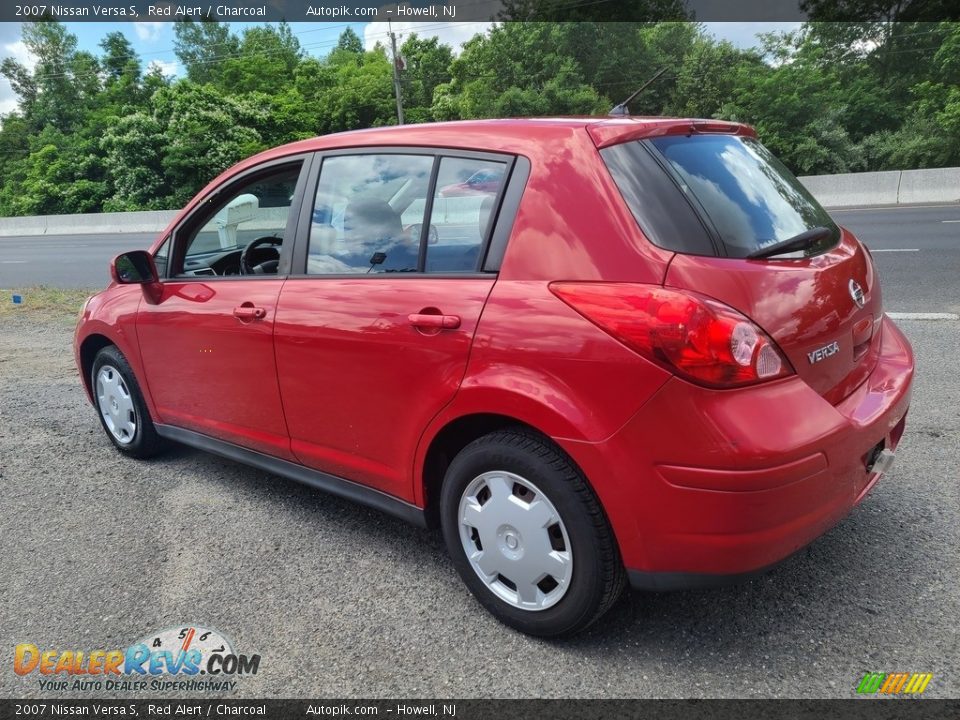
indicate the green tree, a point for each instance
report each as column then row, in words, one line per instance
column 516, row 69
column 50, row 93
column 205, row 132
column 361, row 94
column 134, row 149
column 706, row 78
column 349, row 42
column 426, row 65
column 119, row 58
column 265, row 61
column 203, row 47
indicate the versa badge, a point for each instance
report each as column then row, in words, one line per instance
column 823, row 353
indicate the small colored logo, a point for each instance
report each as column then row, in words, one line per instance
column 186, row 651
column 894, row 683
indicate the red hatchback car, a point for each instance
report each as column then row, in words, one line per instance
column 648, row 355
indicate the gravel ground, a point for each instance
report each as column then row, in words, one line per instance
column 99, row 550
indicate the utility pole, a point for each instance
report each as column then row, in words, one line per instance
column 396, row 73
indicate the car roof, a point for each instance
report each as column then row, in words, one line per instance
column 512, row 135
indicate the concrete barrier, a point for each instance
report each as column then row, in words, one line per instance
column 940, row 185
column 891, row 187
column 147, row 221
column 854, row 189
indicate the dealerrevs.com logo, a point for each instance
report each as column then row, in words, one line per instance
column 184, row 658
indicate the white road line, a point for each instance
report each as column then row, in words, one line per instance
column 876, row 250
column 858, row 208
column 922, row 316
column 946, row 221
column 12, row 262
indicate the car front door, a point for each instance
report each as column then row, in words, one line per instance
column 207, row 343
column 375, row 324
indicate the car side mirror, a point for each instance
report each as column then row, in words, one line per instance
column 134, row 268
column 137, row 268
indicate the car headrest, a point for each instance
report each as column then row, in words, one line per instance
column 371, row 222
column 486, row 209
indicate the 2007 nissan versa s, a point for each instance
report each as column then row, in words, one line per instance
column 642, row 353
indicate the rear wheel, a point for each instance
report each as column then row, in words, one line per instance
column 528, row 536
column 123, row 413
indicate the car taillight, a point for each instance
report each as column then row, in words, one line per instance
column 694, row 336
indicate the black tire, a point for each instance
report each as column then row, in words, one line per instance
column 143, row 442
column 598, row 577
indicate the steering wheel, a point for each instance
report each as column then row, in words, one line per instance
column 266, row 267
column 413, row 234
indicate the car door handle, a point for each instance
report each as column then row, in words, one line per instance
column 249, row 312
column 445, row 322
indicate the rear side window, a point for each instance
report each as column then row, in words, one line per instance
column 743, row 195
column 665, row 216
column 463, row 204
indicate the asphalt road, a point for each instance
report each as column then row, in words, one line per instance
column 65, row 261
column 342, row 601
column 917, row 252
column 918, row 256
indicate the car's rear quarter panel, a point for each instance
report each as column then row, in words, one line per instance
column 534, row 358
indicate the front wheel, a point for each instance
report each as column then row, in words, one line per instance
column 123, row 413
column 528, row 536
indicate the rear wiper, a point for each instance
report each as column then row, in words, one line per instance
column 797, row 242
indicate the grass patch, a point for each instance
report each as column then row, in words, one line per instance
column 43, row 302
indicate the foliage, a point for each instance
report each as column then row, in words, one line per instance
column 96, row 132
column 40, row 302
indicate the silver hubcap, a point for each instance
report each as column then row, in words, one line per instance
column 515, row 540
column 116, row 404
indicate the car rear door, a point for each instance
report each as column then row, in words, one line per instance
column 374, row 331
column 207, row 342
column 822, row 304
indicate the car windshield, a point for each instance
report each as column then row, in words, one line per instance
column 748, row 195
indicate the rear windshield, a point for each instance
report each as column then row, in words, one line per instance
column 745, row 197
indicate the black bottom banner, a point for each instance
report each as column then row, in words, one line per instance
column 908, row 709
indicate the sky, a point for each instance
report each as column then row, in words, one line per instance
column 154, row 40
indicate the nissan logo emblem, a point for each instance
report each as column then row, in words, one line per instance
column 856, row 292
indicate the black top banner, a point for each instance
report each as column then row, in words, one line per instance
column 485, row 709
column 482, row 10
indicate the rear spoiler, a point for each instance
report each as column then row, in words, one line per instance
column 615, row 131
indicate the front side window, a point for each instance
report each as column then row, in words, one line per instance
column 160, row 258
column 244, row 231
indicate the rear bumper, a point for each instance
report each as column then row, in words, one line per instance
column 703, row 487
